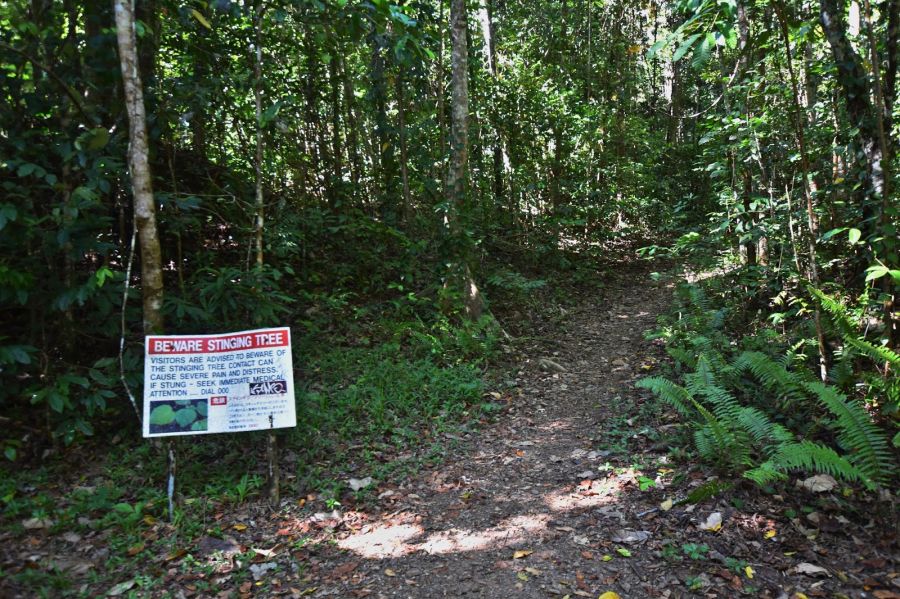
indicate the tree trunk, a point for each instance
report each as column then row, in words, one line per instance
column 139, row 167
column 460, row 277
column 854, row 84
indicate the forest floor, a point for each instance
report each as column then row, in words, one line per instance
column 566, row 493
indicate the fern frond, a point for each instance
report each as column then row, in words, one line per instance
column 674, row 395
column 857, row 432
column 842, row 320
column 764, row 474
column 765, row 433
column 814, row 457
column 773, row 375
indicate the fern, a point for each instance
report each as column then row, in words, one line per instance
column 773, row 375
column 674, row 395
column 848, row 330
column 857, row 432
column 765, row 433
column 810, row 456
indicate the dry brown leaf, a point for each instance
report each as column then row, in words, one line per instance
column 522, row 553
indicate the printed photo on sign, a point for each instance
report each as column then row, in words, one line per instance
column 179, row 415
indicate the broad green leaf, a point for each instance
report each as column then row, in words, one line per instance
column 185, row 416
column 162, row 415
column 855, row 235
column 685, row 47
column 200, row 425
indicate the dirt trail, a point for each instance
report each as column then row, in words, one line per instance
column 561, row 497
column 530, row 506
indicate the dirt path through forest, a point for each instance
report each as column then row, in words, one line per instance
column 532, row 505
column 561, row 496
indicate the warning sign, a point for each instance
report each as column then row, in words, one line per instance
column 198, row 384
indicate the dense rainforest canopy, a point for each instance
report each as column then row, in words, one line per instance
column 395, row 179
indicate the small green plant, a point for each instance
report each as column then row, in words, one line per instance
column 245, row 487
column 645, row 483
column 738, row 566
column 695, row 551
column 694, row 583
column 671, row 552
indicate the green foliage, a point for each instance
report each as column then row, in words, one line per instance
column 755, row 414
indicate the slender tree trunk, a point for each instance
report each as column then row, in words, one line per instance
column 404, row 168
column 800, row 130
column 139, row 167
column 336, row 149
column 272, row 471
column 460, row 279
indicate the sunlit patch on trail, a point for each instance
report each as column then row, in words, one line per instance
column 389, row 540
column 588, row 493
column 508, row 532
column 396, row 537
column 383, row 540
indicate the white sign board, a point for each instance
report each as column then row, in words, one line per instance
column 199, row 384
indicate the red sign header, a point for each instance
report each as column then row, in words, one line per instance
column 211, row 344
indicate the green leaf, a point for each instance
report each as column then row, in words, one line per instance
column 854, row 235
column 202, row 408
column 685, row 47
column 199, row 16
column 200, row 425
column 185, row 416
column 10, row 453
column 162, row 415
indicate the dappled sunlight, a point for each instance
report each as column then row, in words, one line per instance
column 586, row 495
column 392, row 538
column 508, row 532
column 383, row 540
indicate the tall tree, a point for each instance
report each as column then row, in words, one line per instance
column 460, row 278
column 139, row 167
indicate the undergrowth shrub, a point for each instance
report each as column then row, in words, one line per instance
column 756, row 408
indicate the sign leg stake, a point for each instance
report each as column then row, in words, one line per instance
column 170, row 479
column 273, row 470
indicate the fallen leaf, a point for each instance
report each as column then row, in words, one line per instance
column 37, row 523
column 770, row 533
column 239, row 527
column 357, row 484
column 259, row 570
column 345, row 569
column 666, row 505
column 522, row 576
column 176, row 554
column 135, row 549
column 587, row 555
column 810, row 569
column 389, row 572
column 120, row 588
column 623, row 552
column 713, row 522
column 819, row 483
column 609, row 595
column 630, row 536
column 606, row 558
column 883, row 594
column 749, row 572
column 533, row 571
column 522, row 553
